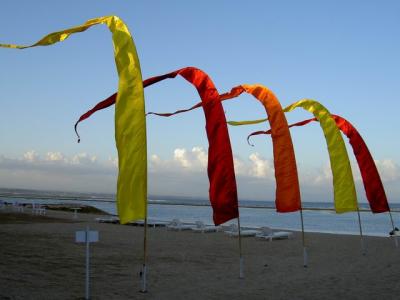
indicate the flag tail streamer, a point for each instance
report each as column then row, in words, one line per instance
column 373, row 186
column 130, row 121
column 223, row 190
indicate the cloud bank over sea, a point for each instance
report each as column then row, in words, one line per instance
column 182, row 173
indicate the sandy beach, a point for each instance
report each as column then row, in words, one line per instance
column 40, row 260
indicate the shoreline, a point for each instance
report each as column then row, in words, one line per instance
column 87, row 208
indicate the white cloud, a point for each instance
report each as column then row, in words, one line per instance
column 195, row 160
column 81, row 172
column 113, row 161
column 83, row 159
column 181, row 156
column 55, row 156
column 57, row 162
column 324, row 175
column 260, row 168
column 31, row 156
column 388, row 169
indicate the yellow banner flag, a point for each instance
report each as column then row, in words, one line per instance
column 130, row 121
column 345, row 196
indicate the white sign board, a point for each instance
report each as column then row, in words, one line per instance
column 80, row 236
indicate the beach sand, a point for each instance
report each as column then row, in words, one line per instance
column 40, row 260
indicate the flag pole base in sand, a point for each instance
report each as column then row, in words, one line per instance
column 363, row 248
column 143, row 273
column 143, row 278
column 241, row 272
column 241, row 275
column 305, row 257
column 396, row 242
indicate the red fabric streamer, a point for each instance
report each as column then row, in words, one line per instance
column 372, row 182
column 223, row 190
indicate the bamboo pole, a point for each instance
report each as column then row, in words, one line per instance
column 241, row 275
column 363, row 250
column 305, row 256
column 396, row 242
column 144, row 266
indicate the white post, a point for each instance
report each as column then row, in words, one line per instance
column 305, row 257
column 86, row 236
column 144, row 275
column 241, row 275
column 396, row 242
column 87, row 264
column 363, row 250
column 144, row 267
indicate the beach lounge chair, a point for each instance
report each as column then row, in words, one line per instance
column 233, row 231
column 40, row 210
column 18, row 206
column 177, row 225
column 111, row 219
column 268, row 234
column 201, row 227
column 150, row 223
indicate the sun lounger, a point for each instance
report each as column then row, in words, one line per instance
column 177, row 225
column 112, row 220
column 201, row 227
column 150, row 223
column 18, row 207
column 40, row 210
column 233, row 231
column 268, row 234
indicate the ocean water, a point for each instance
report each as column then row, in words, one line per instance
column 252, row 213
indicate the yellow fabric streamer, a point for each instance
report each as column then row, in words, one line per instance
column 345, row 197
column 130, row 121
column 240, row 123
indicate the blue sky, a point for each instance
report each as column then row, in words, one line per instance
column 341, row 53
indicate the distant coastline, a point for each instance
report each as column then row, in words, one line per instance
column 17, row 193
